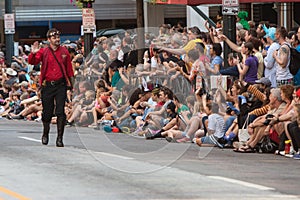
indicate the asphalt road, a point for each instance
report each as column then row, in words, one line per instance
column 98, row 165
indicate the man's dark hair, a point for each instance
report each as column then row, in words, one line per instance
column 217, row 48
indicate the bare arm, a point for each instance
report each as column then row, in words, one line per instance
column 282, row 58
column 173, row 51
column 231, row 44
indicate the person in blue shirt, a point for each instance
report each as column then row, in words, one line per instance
column 216, row 60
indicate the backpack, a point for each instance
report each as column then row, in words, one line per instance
column 294, row 65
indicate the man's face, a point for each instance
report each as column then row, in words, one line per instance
column 247, row 36
column 162, row 96
column 54, row 40
column 191, row 35
column 232, row 61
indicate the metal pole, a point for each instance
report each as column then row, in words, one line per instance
column 229, row 29
column 88, row 37
column 9, row 38
column 140, row 29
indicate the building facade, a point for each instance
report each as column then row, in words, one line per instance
column 35, row 17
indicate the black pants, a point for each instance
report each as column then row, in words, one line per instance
column 53, row 97
column 294, row 131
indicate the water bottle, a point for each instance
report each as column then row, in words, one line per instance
column 287, row 146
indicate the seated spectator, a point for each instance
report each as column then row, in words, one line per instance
column 80, row 112
column 9, row 77
column 293, row 129
column 216, row 127
column 257, row 128
column 16, row 106
column 192, row 127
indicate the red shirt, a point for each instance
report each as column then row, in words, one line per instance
column 50, row 70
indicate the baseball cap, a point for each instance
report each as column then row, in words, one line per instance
column 264, row 81
column 24, row 84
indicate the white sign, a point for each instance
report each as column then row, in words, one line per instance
column 88, row 18
column 230, row 7
column 230, row 10
column 230, row 3
column 88, row 30
column 9, row 23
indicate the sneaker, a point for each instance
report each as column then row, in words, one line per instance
column 282, row 153
column 137, row 131
column 92, row 126
column 185, row 139
column 39, row 119
column 290, row 154
column 296, row 156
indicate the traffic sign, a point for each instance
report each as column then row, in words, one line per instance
column 230, row 7
column 9, row 23
column 88, row 18
column 230, row 3
column 230, row 10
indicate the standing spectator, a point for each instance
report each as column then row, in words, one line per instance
column 248, row 67
column 54, row 79
column 282, row 59
column 295, row 42
column 194, row 35
column 269, row 61
column 216, row 59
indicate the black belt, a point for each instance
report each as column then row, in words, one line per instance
column 55, row 83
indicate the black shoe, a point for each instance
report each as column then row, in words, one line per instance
column 169, row 139
column 69, row 123
column 8, row 116
column 59, row 143
column 149, row 136
column 45, row 139
column 17, row 117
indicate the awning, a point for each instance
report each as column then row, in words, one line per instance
column 199, row 2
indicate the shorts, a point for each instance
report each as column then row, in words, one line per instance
column 285, row 82
column 211, row 140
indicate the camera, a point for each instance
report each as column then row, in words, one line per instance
column 268, row 119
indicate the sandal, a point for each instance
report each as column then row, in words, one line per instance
column 246, row 149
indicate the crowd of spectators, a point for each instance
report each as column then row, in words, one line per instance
column 181, row 91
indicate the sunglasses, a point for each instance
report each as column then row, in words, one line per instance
column 55, row 33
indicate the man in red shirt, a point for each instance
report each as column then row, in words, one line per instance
column 55, row 77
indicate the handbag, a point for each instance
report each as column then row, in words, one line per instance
column 243, row 134
column 267, row 145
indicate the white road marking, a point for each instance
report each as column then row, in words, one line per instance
column 112, row 155
column 243, row 183
column 30, row 139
